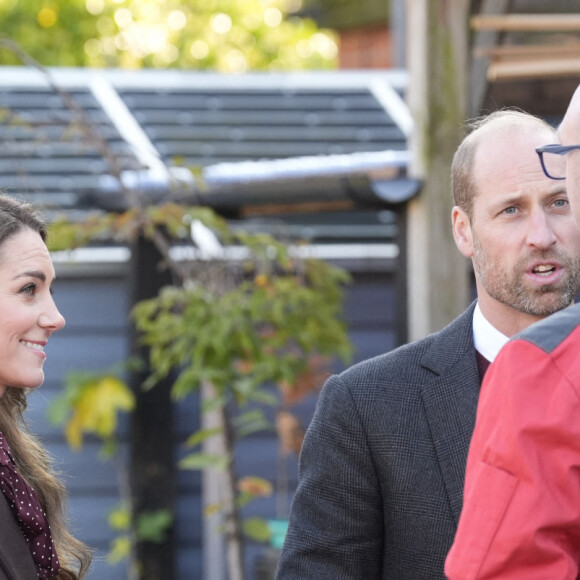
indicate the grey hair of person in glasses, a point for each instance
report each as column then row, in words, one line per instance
column 553, row 161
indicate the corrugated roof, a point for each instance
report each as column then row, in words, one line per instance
column 269, row 133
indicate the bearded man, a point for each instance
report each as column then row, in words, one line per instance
column 383, row 462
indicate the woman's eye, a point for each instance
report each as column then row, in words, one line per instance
column 29, row 289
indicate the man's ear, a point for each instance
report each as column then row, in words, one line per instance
column 462, row 231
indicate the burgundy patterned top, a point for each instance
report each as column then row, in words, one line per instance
column 29, row 513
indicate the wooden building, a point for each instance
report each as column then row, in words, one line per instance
column 322, row 156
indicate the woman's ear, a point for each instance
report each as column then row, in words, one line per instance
column 462, row 231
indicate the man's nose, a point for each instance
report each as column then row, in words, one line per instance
column 540, row 232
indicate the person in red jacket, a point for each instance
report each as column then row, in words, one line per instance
column 521, row 511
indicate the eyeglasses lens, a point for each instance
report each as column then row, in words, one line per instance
column 555, row 165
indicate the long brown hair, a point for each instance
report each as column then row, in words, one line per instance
column 32, row 460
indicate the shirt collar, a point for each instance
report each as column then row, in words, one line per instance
column 487, row 339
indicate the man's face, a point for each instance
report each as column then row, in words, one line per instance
column 525, row 244
column 532, row 285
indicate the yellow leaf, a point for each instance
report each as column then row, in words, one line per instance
column 74, row 433
column 212, row 509
column 95, row 409
column 261, row 280
column 120, row 519
column 120, row 549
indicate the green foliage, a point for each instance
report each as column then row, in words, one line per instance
column 240, row 326
column 255, row 328
column 150, row 527
column 119, row 519
column 204, row 460
column 257, row 529
column 201, row 435
column 262, row 329
column 67, row 235
column 252, row 421
column 221, row 35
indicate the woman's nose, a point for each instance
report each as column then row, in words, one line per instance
column 51, row 318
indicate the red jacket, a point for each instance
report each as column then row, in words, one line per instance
column 521, row 511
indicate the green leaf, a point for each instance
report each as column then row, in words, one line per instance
column 58, row 410
column 212, row 404
column 203, row 461
column 201, row 435
column 109, row 449
column 244, row 499
column 256, row 529
column 153, row 526
column 252, row 422
column 265, row 397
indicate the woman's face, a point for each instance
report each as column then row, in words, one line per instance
column 28, row 314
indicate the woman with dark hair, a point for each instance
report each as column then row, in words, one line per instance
column 34, row 540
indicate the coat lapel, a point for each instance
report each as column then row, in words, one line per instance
column 450, row 401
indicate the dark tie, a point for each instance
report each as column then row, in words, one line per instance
column 29, row 513
column 482, row 364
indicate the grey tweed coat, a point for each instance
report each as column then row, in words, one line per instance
column 383, row 463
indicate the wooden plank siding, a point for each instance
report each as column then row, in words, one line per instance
column 370, row 313
column 165, row 119
column 94, row 338
column 95, row 304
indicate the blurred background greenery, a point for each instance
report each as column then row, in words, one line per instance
column 227, row 36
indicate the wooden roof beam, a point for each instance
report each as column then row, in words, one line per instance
column 525, row 51
column 544, row 68
column 478, row 84
column 527, row 22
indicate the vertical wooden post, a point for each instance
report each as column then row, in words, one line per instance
column 437, row 56
column 214, row 559
column 152, row 462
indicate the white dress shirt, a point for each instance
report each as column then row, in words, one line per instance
column 487, row 339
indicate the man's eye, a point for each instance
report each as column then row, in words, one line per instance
column 29, row 289
column 510, row 210
column 561, row 202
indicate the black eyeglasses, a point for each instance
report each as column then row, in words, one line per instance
column 552, row 159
